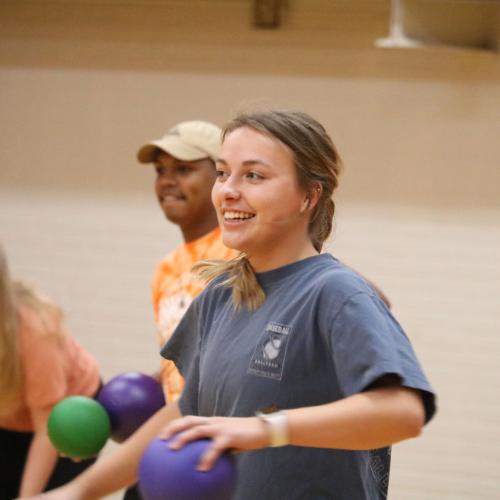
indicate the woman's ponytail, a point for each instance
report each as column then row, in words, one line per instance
column 239, row 276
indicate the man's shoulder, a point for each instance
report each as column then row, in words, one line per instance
column 165, row 267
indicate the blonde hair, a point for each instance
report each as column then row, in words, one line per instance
column 13, row 293
column 317, row 163
column 10, row 363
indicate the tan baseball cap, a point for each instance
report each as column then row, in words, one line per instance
column 188, row 141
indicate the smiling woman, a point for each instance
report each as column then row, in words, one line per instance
column 308, row 346
column 258, row 200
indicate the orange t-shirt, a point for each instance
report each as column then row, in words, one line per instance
column 54, row 366
column 174, row 288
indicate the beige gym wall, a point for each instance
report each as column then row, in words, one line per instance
column 84, row 83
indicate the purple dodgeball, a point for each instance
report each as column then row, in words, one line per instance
column 130, row 399
column 166, row 474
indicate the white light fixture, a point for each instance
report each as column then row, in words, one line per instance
column 466, row 24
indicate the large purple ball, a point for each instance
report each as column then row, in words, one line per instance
column 130, row 399
column 166, row 474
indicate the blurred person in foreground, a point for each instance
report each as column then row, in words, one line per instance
column 40, row 364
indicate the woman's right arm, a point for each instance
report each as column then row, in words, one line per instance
column 119, row 469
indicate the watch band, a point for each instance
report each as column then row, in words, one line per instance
column 278, row 427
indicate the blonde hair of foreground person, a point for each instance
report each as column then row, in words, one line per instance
column 40, row 364
column 11, row 375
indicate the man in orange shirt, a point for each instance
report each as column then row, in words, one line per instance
column 184, row 160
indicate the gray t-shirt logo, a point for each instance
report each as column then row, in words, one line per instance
column 269, row 355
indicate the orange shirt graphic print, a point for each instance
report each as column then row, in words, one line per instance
column 174, row 288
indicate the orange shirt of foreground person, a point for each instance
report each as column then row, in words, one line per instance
column 54, row 365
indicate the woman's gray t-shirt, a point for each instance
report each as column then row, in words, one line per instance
column 321, row 335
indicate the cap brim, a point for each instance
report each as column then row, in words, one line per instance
column 172, row 145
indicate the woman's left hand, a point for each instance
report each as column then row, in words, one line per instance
column 227, row 433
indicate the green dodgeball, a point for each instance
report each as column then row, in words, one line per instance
column 79, row 427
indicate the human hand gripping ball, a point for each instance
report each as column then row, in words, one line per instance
column 78, row 427
column 165, row 473
column 226, row 433
column 192, row 457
